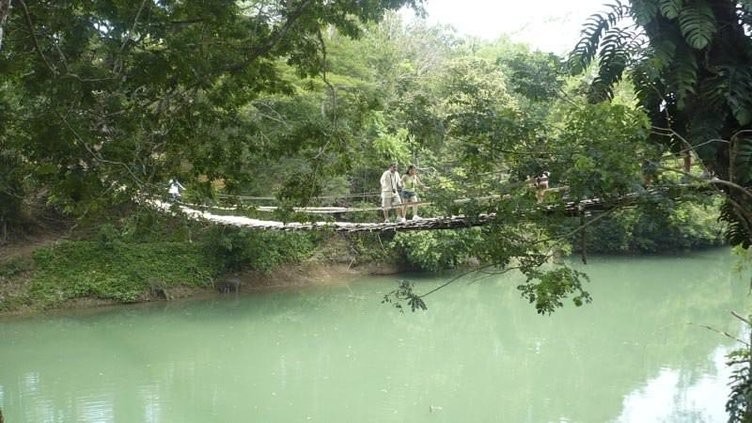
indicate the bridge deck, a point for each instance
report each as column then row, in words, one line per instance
column 446, row 222
column 449, row 222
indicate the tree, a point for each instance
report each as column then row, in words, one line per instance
column 116, row 96
column 690, row 63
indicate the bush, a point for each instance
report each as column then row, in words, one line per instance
column 235, row 249
column 121, row 272
column 661, row 228
column 434, row 251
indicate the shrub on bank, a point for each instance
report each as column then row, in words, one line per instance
column 663, row 228
column 234, row 249
column 438, row 250
column 118, row 271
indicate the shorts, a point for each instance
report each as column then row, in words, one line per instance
column 389, row 200
column 410, row 196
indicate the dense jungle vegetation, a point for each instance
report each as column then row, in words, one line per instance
column 298, row 104
column 306, row 102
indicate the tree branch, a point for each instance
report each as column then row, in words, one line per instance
column 281, row 32
column 97, row 156
column 37, row 47
column 118, row 64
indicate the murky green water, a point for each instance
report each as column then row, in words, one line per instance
column 639, row 353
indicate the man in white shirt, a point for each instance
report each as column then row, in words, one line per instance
column 391, row 184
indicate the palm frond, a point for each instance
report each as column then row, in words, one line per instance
column 683, row 77
column 590, row 36
column 670, row 8
column 612, row 61
column 697, row 24
column 644, row 11
column 743, row 160
column 739, row 94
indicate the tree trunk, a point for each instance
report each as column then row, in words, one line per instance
column 4, row 13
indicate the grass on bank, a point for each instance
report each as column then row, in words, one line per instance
column 122, row 272
column 117, row 264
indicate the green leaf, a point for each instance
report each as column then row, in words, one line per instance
column 697, row 24
column 670, row 8
column 739, row 92
column 644, row 11
column 593, row 29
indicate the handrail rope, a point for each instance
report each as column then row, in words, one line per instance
column 324, row 197
column 335, row 210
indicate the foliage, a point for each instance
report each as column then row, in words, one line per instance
column 689, row 62
column 595, row 153
column 114, row 98
column 123, row 272
column 480, row 115
column 546, row 289
column 236, row 249
column 404, row 292
column 304, row 102
column 435, row 251
column 13, row 267
column 662, row 227
column 536, row 76
column 739, row 404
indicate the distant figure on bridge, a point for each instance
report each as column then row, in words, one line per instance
column 541, row 185
column 175, row 189
column 391, row 184
column 410, row 185
column 649, row 172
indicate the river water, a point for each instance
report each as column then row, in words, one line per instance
column 639, row 353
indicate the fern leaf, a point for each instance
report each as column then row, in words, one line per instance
column 713, row 92
column 743, row 157
column 736, row 232
column 585, row 50
column 644, row 11
column 739, row 95
column 743, row 161
column 684, row 77
column 590, row 36
column 697, row 24
column 670, row 8
column 707, row 126
column 612, row 63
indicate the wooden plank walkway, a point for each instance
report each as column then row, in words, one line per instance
column 450, row 222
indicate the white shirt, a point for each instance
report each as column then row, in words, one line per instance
column 175, row 187
column 390, row 181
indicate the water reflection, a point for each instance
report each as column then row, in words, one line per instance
column 335, row 354
column 672, row 394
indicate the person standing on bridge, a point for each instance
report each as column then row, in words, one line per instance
column 541, row 186
column 391, row 184
column 410, row 185
column 175, row 189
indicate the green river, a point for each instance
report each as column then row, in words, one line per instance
column 640, row 352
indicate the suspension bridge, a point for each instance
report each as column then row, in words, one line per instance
column 218, row 215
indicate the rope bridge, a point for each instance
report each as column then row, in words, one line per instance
column 571, row 208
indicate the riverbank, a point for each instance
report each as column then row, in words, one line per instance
column 52, row 273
